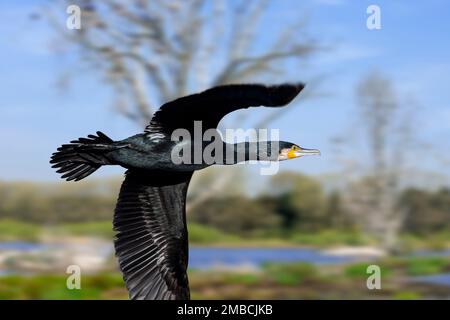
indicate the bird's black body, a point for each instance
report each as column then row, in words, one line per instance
column 145, row 151
column 150, row 216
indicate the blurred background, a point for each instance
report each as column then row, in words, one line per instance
column 376, row 104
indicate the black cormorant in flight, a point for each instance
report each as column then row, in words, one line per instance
column 150, row 217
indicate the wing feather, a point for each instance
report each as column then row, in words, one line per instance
column 151, row 241
column 212, row 105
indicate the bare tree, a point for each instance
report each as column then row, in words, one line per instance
column 388, row 137
column 154, row 51
column 151, row 51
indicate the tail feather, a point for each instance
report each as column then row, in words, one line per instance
column 82, row 157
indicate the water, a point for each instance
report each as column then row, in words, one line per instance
column 442, row 279
column 21, row 246
column 429, row 253
column 207, row 257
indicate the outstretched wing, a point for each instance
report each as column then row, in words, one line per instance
column 151, row 241
column 212, row 105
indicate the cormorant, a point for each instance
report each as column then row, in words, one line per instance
column 151, row 240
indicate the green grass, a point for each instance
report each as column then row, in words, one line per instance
column 274, row 280
column 200, row 234
column 359, row 270
column 427, row 266
column 11, row 230
column 433, row 241
column 407, row 295
column 242, row 278
column 412, row 266
column 45, row 287
column 290, row 273
column 101, row 229
column 330, row 237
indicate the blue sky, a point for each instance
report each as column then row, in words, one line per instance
column 412, row 48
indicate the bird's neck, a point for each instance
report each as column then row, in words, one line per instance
column 247, row 151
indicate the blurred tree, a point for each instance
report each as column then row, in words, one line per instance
column 301, row 200
column 151, row 52
column 275, row 213
column 235, row 187
column 388, row 138
column 155, row 51
column 427, row 212
column 335, row 215
column 50, row 203
column 236, row 215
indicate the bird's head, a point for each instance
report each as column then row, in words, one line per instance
column 289, row 150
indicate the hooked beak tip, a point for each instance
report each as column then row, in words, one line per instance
column 308, row 152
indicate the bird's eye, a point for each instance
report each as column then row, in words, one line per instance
column 295, row 148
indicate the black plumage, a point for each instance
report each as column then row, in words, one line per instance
column 150, row 217
column 212, row 105
column 151, row 241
